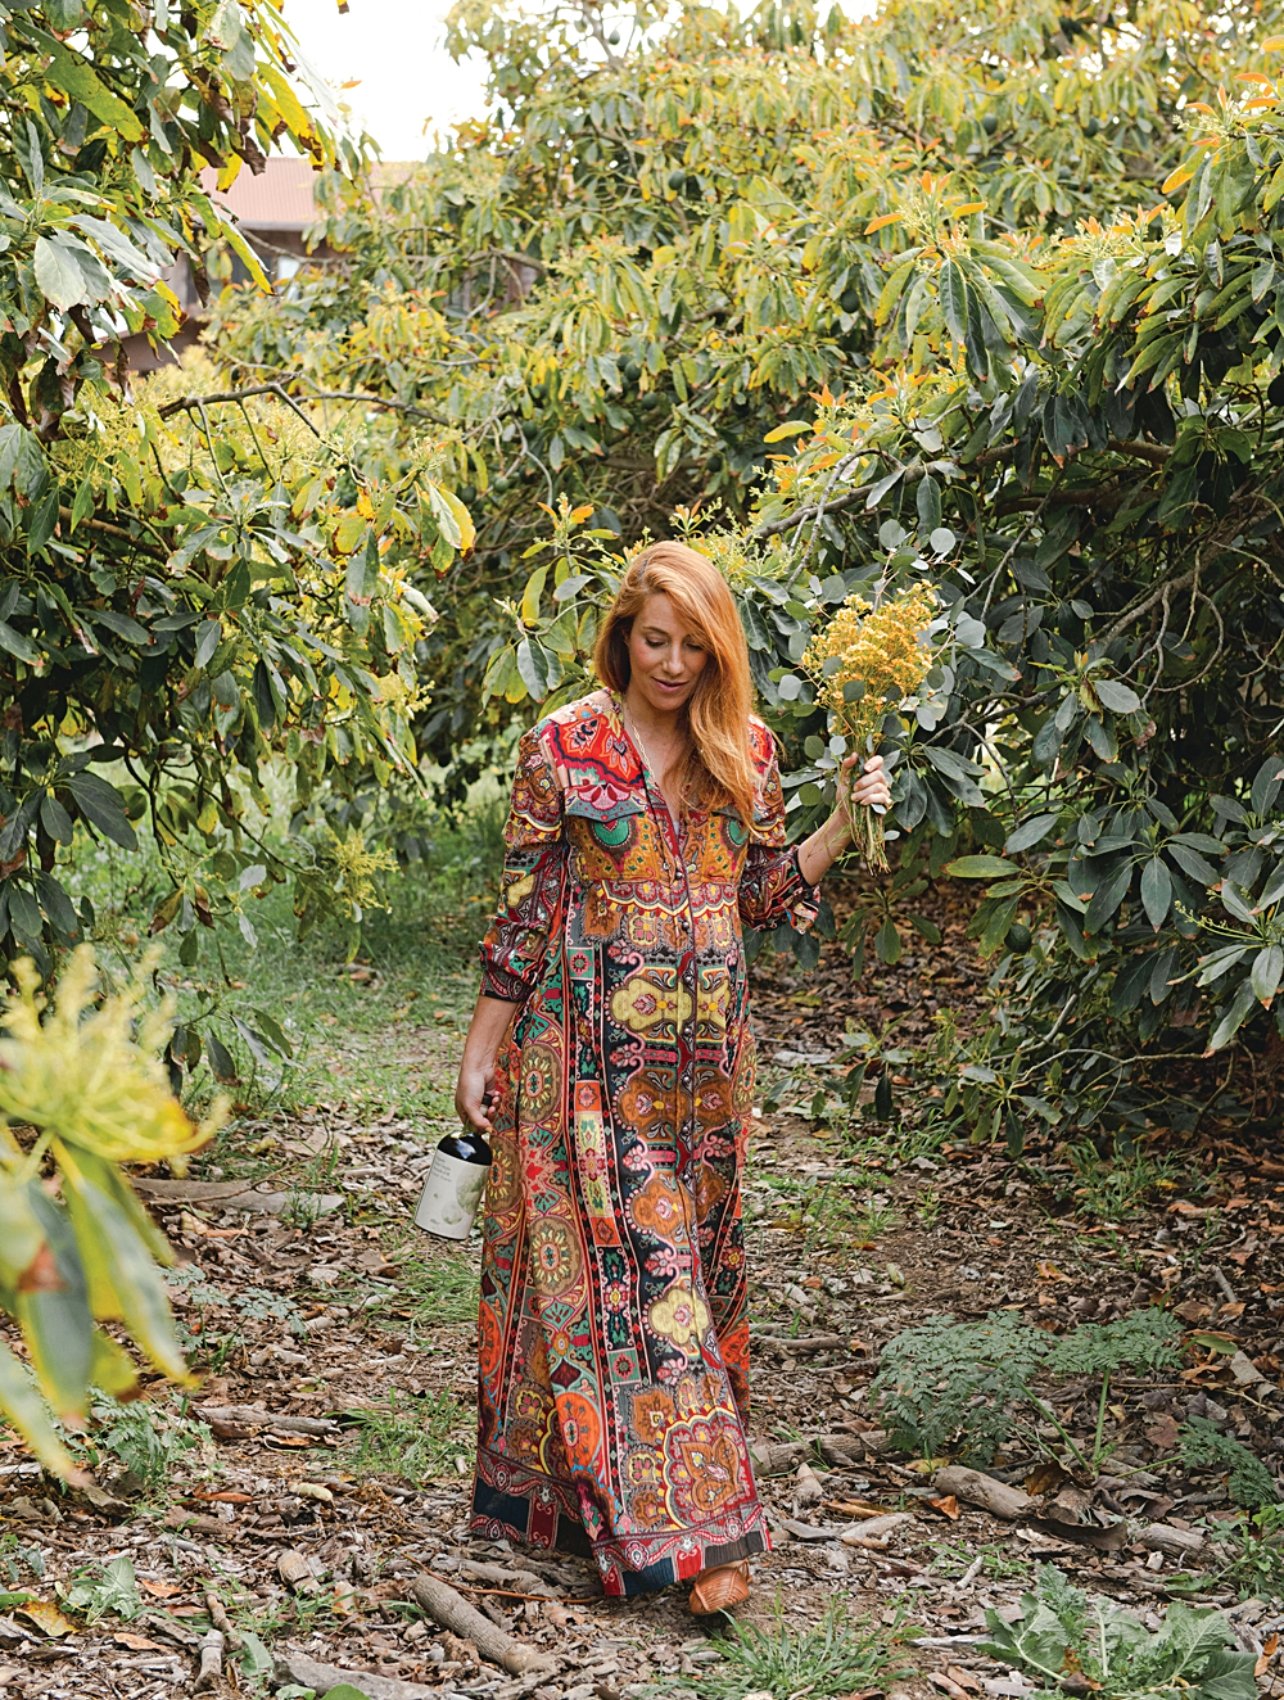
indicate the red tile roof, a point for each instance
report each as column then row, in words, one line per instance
column 280, row 197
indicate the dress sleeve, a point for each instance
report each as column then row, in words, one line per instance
column 530, row 907
column 772, row 887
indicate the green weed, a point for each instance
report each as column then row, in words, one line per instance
column 1116, row 1185
column 1070, row 1642
column 149, row 1440
column 968, row 1386
column 17, row 1558
column 953, row 1559
column 436, row 1291
column 832, row 1213
column 1201, row 1445
column 109, row 1590
column 415, row 1437
column 1249, row 1559
column 839, row 1656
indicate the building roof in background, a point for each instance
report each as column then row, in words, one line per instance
column 281, row 196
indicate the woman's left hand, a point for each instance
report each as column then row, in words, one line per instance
column 869, row 788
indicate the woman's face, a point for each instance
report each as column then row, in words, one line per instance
column 665, row 655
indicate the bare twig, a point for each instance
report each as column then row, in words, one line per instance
column 198, row 402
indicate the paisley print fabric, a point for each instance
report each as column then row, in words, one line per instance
column 613, row 1338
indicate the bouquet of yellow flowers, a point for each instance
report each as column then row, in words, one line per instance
column 865, row 662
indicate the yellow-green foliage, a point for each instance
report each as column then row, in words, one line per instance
column 81, row 1092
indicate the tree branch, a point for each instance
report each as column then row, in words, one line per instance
column 911, row 474
column 189, row 402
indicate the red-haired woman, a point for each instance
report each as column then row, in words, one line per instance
column 647, row 827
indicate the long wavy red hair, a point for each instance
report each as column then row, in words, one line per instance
column 718, row 769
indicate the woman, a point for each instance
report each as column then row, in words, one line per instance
column 647, row 825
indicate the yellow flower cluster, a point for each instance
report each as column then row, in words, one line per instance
column 882, row 646
column 359, row 868
column 88, row 1073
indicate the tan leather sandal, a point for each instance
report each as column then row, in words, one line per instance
column 720, row 1589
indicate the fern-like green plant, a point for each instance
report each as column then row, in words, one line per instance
column 962, row 1385
column 1143, row 1339
column 943, row 1380
column 1201, row 1445
column 1070, row 1641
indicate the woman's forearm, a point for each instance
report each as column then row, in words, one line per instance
column 817, row 854
column 486, row 1030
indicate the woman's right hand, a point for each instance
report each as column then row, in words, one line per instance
column 474, row 1093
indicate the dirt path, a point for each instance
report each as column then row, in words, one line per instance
column 343, row 1315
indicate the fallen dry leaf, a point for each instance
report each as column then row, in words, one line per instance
column 46, row 1617
column 1163, row 1431
column 137, row 1643
column 964, row 1678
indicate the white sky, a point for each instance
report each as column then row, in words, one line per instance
column 407, row 85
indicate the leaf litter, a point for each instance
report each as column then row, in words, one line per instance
column 322, row 1464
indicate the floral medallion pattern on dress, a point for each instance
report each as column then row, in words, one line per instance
column 612, row 1335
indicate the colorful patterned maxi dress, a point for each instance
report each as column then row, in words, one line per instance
column 613, row 1336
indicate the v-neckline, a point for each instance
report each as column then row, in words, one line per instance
column 674, row 821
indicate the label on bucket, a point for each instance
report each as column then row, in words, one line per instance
column 451, row 1195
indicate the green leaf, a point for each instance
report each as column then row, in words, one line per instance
column 1116, row 696
column 59, row 273
column 1192, row 863
column 220, row 1058
column 1106, row 898
column 28, row 1413
column 1156, row 891
column 100, row 803
column 887, row 942
column 55, row 1318
column 791, row 428
column 207, row 641
column 532, row 667
column 1233, row 1018
column 1264, row 976
column 1266, row 785
column 453, row 517
column 77, row 78
column 118, row 1256
column 1030, row 832
column 954, row 300
column 981, row 867
column 15, row 644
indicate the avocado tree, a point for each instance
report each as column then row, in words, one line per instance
column 982, row 295
column 194, row 578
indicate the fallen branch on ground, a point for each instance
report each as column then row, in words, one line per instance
column 210, row 1674
column 791, row 1348
column 452, row 1611
column 770, row 1458
column 298, row 1667
column 239, row 1195
column 250, row 1416
column 976, row 1488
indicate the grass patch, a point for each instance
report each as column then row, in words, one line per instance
column 433, row 1291
column 1115, row 1185
column 415, row 1437
column 357, row 1030
column 828, row 1214
column 839, row 1656
column 953, row 1559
